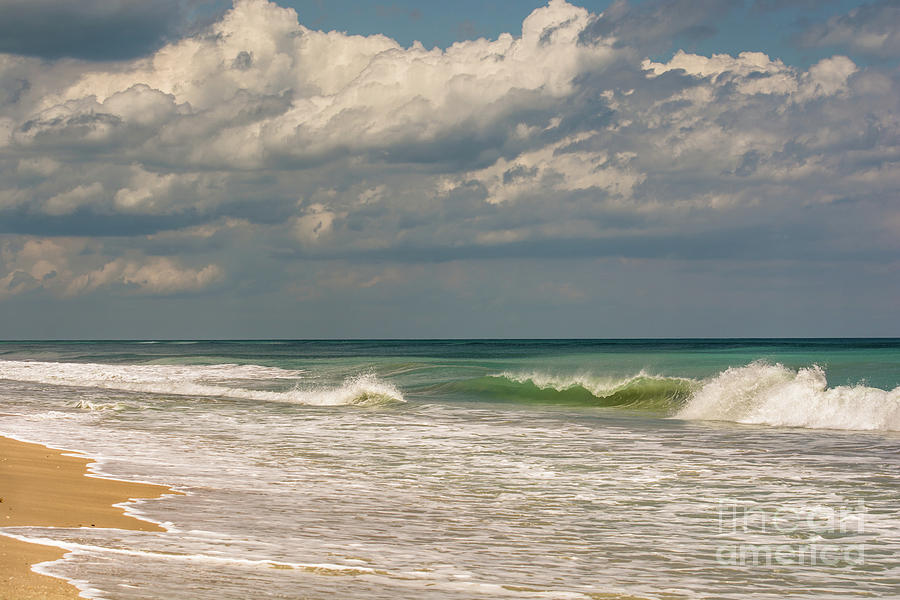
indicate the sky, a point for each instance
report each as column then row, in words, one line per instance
column 180, row 169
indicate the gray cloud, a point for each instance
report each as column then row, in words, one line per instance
column 655, row 25
column 88, row 29
column 872, row 29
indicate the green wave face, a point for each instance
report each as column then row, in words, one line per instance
column 641, row 392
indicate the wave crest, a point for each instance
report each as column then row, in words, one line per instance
column 642, row 391
column 772, row 394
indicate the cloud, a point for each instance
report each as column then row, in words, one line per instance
column 556, row 168
column 655, row 25
column 157, row 275
column 871, row 29
column 755, row 73
column 89, row 29
column 259, row 89
column 248, row 155
column 64, row 267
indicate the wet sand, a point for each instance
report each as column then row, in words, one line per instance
column 42, row 487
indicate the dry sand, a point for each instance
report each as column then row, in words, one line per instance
column 39, row 486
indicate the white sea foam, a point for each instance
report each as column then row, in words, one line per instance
column 324, row 568
column 99, row 406
column 772, row 394
column 199, row 381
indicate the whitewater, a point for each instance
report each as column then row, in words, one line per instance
column 199, row 381
column 477, row 469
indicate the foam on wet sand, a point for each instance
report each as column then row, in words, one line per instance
column 43, row 487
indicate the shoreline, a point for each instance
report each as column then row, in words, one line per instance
column 45, row 487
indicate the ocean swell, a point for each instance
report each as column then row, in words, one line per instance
column 640, row 391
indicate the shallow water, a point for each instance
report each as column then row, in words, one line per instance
column 472, row 469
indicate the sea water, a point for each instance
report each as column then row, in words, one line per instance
column 477, row 469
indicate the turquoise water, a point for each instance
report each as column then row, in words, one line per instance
column 478, row 469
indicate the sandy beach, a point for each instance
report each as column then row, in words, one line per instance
column 42, row 487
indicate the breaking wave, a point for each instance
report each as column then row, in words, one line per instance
column 641, row 391
column 215, row 381
column 773, row 394
column 758, row 393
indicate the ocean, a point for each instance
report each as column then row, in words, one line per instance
column 477, row 469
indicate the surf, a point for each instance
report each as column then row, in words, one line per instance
column 759, row 393
column 210, row 381
column 640, row 391
column 772, row 394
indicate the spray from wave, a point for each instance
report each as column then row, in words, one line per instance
column 214, row 381
column 763, row 393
